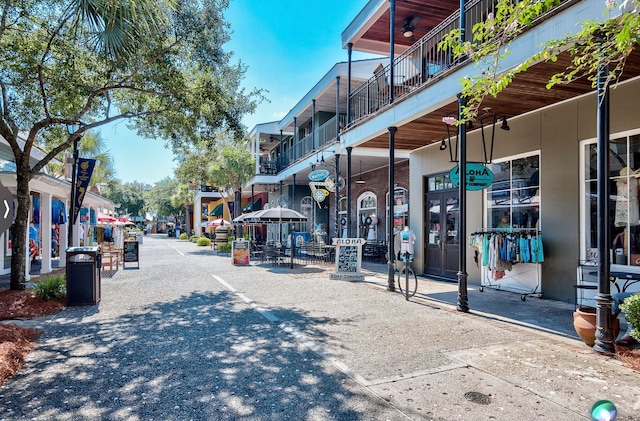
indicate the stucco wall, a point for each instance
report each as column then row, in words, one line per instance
column 556, row 132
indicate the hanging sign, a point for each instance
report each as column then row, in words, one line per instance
column 85, row 169
column 478, row 177
column 318, row 175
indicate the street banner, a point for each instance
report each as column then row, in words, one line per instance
column 85, row 169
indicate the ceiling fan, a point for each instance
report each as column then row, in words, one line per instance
column 408, row 29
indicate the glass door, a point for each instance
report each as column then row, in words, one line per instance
column 442, row 245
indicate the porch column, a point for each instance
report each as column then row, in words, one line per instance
column 280, row 154
column 338, row 108
column 62, row 237
column 349, row 52
column 392, row 40
column 391, row 278
column 604, row 331
column 293, row 192
column 45, row 224
column 348, row 180
column 313, row 125
column 463, row 301
column 337, row 197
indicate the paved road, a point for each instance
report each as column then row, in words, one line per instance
column 188, row 336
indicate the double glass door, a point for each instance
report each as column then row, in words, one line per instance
column 442, row 224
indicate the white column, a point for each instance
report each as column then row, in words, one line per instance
column 45, row 226
column 63, row 234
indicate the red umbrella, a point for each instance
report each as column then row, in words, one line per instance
column 103, row 217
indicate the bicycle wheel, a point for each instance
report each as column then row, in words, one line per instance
column 413, row 282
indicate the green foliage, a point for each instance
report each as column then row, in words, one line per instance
column 194, row 238
column 183, row 236
column 159, row 200
column 631, row 308
column 51, row 287
column 233, row 168
column 224, row 248
column 597, row 43
column 160, row 65
column 203, row 241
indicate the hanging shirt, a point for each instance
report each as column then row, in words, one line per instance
column 407, row 238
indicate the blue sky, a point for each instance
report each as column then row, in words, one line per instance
column 288, row 45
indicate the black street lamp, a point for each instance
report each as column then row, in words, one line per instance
column 71, row 129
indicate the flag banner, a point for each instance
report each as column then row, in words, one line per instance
column 85, row 169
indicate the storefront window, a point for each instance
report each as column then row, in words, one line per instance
column 306, row 208
column 368, row 216
column 400, row 208
column 624, row 220
column 513, row 200
column 342, row 216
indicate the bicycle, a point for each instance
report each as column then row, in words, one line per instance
column 410, row 279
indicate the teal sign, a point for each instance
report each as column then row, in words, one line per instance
column 479, row 177
column 318, row 175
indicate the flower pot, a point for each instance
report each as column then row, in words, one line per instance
column 584, row 322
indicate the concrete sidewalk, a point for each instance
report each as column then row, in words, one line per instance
column 187, row 335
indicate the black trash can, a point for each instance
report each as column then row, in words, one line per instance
column 83, row 275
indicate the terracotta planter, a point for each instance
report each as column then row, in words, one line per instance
column 584, row 322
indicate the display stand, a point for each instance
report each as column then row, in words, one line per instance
column 131, row 253
column 524, row 277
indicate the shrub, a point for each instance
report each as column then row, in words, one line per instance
column 224, row 248
column 183, row 236
column 51, row 287
column 194, row 238
column 631, row 308
column 204, row 241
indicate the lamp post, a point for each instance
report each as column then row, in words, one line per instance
column 71, row 129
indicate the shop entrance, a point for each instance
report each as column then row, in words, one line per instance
column 441, row 227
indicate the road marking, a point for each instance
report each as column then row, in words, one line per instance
column 296, row 334
column 178, row 251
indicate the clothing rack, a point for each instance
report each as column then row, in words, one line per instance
column 510, row 259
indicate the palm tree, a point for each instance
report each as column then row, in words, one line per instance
column 183, row 196
column 94, row 147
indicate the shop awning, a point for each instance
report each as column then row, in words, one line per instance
column 217, row 211
column 253, row 206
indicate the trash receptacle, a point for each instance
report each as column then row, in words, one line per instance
column 83, row 275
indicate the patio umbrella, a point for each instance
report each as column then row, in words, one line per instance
column 103, row 217
column 244, row 218
column 278, row 215
column 218, row 222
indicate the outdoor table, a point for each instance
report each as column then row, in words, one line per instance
column 621, row 280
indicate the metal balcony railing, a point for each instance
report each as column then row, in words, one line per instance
column 418, row 64
column 322, row 136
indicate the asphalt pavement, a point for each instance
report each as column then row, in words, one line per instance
column 189, row 336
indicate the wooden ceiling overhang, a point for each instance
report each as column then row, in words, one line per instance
column 526, row 93
column 428, row 14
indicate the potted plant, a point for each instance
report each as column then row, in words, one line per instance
column 584, row 322
column 631, row 309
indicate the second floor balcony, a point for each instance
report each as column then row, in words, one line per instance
column 301, row 149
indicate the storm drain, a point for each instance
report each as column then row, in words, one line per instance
column 477, row 397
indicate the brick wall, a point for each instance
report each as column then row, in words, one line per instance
column 377, row 183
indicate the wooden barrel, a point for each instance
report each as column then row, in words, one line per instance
column 222, row 235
